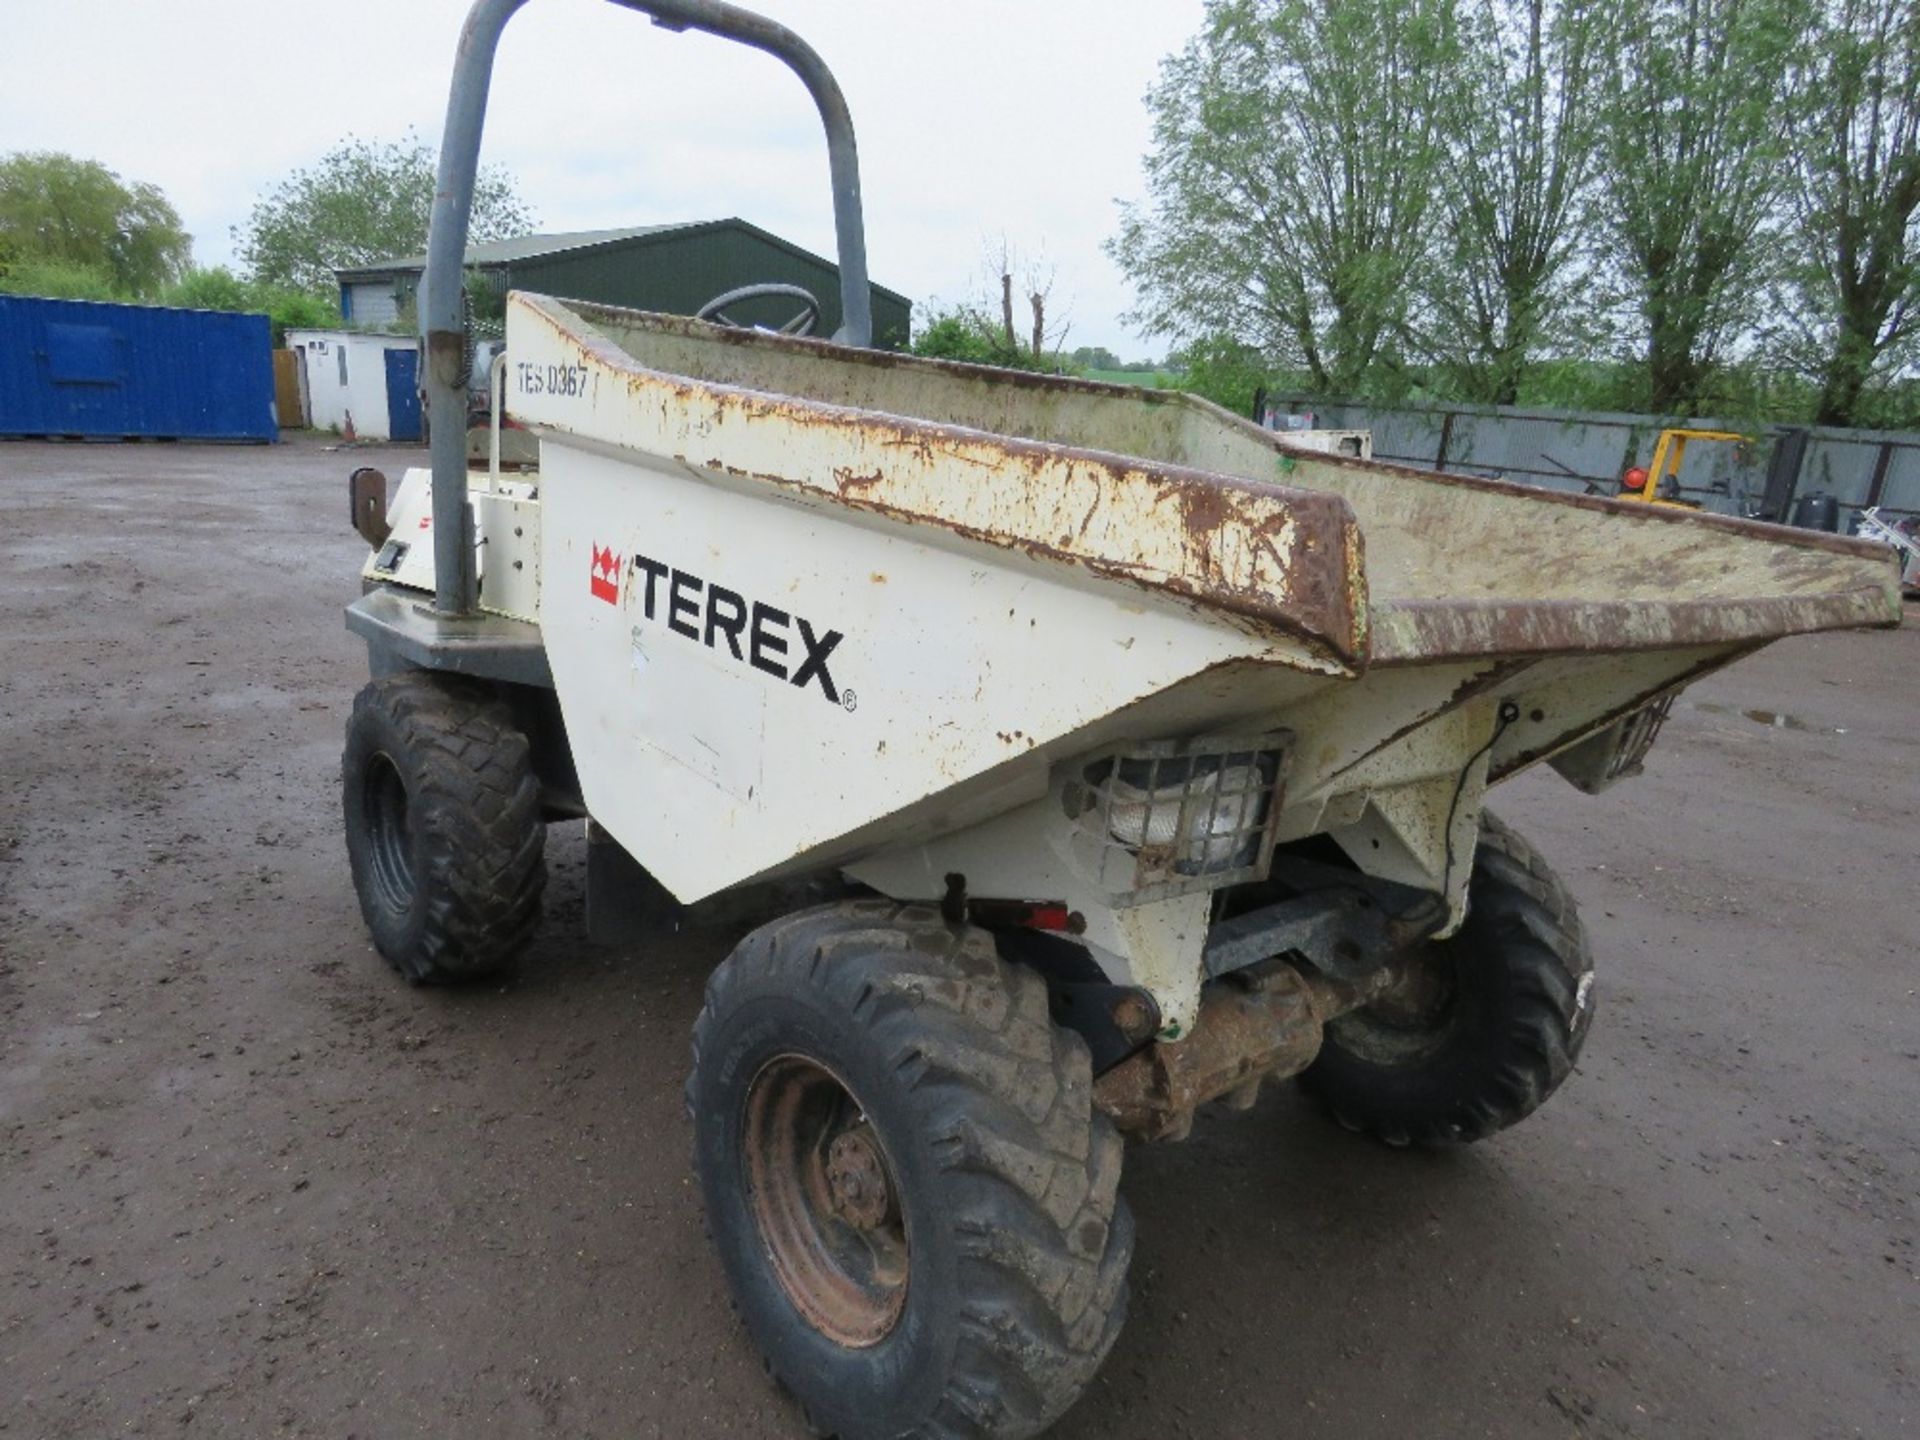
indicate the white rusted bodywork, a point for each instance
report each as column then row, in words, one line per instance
column 506, row 529
column 1022, row 571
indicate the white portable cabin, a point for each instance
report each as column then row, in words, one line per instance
column 347, row 373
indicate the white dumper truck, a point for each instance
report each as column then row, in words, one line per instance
column 1142, row 755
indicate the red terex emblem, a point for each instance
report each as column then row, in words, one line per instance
column 605, row 576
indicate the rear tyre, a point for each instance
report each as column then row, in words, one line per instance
column 444, row 831
column 1490, row 1025
column 915, row 1203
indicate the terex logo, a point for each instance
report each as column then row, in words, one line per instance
column 753, row 631
column 605, row 575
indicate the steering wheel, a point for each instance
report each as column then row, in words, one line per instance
column 802, row 323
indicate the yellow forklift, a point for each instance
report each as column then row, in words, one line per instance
column 1659, row 484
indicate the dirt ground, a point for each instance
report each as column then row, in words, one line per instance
column 251, row 1185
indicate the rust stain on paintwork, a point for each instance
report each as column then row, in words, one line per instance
column 848, row 483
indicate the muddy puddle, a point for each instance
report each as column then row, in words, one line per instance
column 1772, row 719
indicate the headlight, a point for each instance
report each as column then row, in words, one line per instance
column 1208, row 819
column 1181, row 815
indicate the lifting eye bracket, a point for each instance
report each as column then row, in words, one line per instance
column 367, row 495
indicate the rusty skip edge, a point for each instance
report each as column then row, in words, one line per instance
column 1425, row 631
column 1322, row 607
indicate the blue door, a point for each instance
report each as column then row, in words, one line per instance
column 403, row 394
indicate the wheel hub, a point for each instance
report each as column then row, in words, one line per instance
column 857, row 1179
column 1418, row 998
column 823, row 1194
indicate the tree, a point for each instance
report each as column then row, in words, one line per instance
column 1295, row 161
column 58, row 280
column 985, row 332
column 1229, row 372
column 363, row 202
column 961, row 332
column 217, row 288
column 1031, row 277
column 72, row 219
column 220, row 289
column 1520, row 133
column 1855, row 200
column 1695, row 163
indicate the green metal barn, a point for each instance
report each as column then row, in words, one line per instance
column 670, row 268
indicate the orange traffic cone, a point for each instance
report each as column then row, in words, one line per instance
column 347, row 434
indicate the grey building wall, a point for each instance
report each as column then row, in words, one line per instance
column 372, row 303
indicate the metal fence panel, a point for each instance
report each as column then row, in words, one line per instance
column 1586, row 451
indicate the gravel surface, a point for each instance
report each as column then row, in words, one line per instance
column 251, row 1185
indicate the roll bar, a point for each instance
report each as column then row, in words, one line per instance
column 441, row 312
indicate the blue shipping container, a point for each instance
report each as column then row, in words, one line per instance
column 80, row 367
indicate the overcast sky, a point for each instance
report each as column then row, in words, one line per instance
column 976, row 118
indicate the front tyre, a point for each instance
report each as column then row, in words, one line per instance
column 444, row 830
column 915, row 1203
column 1488, row 1023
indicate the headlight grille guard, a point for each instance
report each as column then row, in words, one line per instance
column 1161, row 818
column 1615, row 752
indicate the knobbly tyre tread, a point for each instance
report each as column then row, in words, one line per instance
column 1527, row 927
column 1030, row 1170
column 480, row 870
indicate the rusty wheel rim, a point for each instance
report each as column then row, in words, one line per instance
column 822, row 1191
